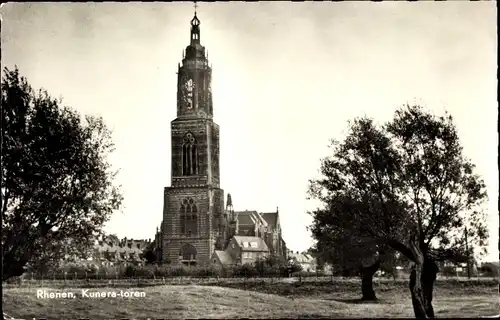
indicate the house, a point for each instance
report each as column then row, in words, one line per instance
column 304, row 259
column 265, row 225
column 111, row 251
column 241, row 250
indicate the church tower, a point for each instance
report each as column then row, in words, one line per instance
column 193, row 211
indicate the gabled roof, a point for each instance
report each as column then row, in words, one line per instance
column 224, row 257
column 302, row 257
column 251, row 243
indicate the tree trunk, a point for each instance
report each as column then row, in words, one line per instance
column 422, row 280
column 367, row 281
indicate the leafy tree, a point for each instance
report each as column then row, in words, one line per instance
column 150, row 255
column 56, row 182
column 293, row 266
column 271, row 265
column 489, row 269
column 58, row 252
column 407, row 185
column 348, row 252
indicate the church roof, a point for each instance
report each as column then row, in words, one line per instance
column 247, row 243
column 271, row 218
column 244, row 217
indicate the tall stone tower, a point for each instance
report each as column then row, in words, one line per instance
column 193, row 211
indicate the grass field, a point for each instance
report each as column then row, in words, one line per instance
column 260, row 300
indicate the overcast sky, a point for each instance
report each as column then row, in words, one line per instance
column 286, row 78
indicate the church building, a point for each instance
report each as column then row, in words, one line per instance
column 195, row 222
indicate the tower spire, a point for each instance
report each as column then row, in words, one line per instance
column 195, row 27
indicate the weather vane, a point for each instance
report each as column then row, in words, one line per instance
column 195, row 6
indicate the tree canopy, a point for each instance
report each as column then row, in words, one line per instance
column 57, row 185
column 405, row 184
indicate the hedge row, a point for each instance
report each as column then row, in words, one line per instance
column 78, row 271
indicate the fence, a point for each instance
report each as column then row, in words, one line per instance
column 93, row 280
column 83, row 272
column 198, row 276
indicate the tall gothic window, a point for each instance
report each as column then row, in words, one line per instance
column 189, row 156
column 189, row 218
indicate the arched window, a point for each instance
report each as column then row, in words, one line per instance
column 187, row 254
column 189, row 156
column 188, row 218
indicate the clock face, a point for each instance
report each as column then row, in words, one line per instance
column 188, row 88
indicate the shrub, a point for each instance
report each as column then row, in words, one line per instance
column 449, row 271
column 130, row 271
column 245, row 270
column 489, row 270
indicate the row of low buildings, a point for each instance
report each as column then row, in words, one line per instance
column 111, row 251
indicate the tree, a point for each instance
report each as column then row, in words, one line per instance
column 347, row 251
column 57, row 252
column 407, row 185
column 150, row 255
column 57, row 185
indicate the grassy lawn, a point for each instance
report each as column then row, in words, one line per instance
column 264, row 300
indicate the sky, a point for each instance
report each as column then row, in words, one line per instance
column 286, row 79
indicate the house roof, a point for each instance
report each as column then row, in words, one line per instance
column 117, row 249
column 302, row 257
column 247, row 243
column 224, row 257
